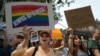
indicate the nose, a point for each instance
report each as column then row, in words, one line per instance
column 79, row 40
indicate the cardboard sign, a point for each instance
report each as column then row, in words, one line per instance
column 56, row 34
column 80, row 18
column 37, row 15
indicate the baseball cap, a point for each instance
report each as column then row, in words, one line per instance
column 44, row 32
column 20, row 35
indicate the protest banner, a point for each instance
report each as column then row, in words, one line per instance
column 80, row 17
column 37, row 15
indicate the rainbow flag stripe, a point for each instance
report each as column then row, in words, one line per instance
column 31, row 15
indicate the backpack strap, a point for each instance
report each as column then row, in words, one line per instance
column 35, row 50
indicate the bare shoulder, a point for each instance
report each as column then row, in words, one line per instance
column 29, row 51
column 96, row 52
column 14, row 53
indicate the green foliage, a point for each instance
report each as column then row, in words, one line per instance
column 54, row 3
column 43, row 1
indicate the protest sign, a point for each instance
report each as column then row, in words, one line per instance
column 34, row 37
column 37, row 15
column 80, row 17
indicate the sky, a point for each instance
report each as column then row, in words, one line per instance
column 95, row 6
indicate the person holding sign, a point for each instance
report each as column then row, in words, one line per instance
column 75, row 45
column 43, row 49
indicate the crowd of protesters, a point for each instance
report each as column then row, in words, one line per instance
column 19, row 44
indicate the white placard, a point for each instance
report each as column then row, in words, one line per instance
column 34, row 37
column 37, row 15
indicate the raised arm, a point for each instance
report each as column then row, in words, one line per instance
column 70, row 43
column 26, row 32
column 21, row 48
column 70, row 40
column 96, row 52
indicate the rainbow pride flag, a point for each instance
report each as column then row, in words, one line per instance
column 31, row 15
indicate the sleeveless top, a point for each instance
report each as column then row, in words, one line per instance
column 40, row 52
column 80, row 53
